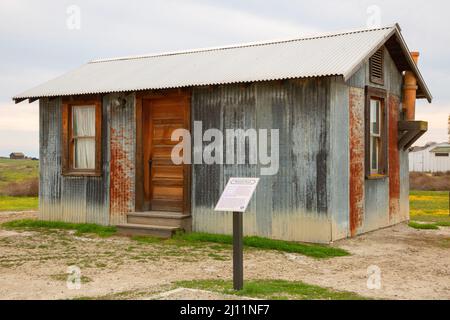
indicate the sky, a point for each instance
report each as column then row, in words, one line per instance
column 40, row 40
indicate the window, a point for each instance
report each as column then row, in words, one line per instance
column 441, row 154
column 376, row 133
column 81, row 138
column 376, row 64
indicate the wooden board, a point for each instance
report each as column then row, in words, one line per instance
column 166, row 185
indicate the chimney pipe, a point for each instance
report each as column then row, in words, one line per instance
column 410, row 91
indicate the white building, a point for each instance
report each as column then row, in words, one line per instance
column 433, row 157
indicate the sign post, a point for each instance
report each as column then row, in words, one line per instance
column 235, row 198
column 238, row 251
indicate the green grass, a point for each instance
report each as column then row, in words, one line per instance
column 18, row 203
column 80, row 228
column 311, row 250
column 272, row 289
column 17, row 171
column 431, row 208
column 443, row 224
column 187, row 239
column 423, row 226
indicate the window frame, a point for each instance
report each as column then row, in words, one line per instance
column 382, row 172
column 68, row 165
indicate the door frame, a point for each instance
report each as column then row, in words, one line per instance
column 184, row 94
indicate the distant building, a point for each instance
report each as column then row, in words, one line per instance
column 17, row 155
column 433, row 157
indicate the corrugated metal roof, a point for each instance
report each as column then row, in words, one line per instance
column 325, row 55
column 442, row 147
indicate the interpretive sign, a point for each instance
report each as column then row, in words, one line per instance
column 237, row 194
column 235, row 198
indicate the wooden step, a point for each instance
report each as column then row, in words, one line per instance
column 130, row 229
column 161, row 218
column 167, row 204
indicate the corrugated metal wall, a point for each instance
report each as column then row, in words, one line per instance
column 122, row 151
column 89, row 199
column 338, row 168
column 357, row 160
column 71, row 199
column 294, row 204
column 379, row 210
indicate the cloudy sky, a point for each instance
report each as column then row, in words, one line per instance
column 37, row 42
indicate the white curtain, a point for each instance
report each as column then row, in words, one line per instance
column 84, row 135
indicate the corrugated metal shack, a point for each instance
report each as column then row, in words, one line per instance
column 343, row 104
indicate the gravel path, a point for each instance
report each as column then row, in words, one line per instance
column 414, row 264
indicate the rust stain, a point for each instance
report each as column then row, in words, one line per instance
column 357, row 155
column 121, row 178
column 394, row 158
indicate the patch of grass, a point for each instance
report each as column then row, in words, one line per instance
column 192, row 239
column 65, row 276
column 80, row 228
column 423, row 226
column 19, row 178
column 218, row 257
column 311, row 250
column 445, row 243
column 146, row 239
column 272, row 289
column 432, row 218
column 429, row 206
column 17, row 170
column 18, row 203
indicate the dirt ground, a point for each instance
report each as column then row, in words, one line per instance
column 414, row 264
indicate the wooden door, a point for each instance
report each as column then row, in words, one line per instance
column 166, row 185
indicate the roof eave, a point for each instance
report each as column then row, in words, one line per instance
column 423, row 91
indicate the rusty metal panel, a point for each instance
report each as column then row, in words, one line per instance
column 293, row 204
column 357, row 156
column 122, row 131
column 393, row 105
column 404, row 185
column 384, row 199
column 63, row 198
